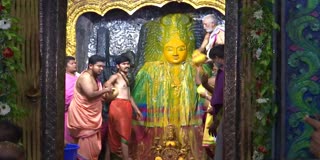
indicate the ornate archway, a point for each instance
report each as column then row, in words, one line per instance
column 78, row 7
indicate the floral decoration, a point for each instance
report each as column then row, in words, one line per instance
column 5, row 24
column 259, row 24
column 10, row 63
column 4, row 109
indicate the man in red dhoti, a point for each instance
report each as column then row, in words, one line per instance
column 84, row 116
column 120, row 112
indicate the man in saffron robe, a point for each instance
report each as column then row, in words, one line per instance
column 120, row 112
column 84, row 116
column 71, row 78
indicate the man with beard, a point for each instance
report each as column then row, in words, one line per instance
column 84, row 115
column 215, row 33
column 120, row 111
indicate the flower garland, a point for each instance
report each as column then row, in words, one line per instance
column 10, row 63
column 259, row 25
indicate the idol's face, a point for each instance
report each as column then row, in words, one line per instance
column 175, row 51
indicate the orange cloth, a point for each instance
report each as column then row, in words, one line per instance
column 119, row 123
column 84, row 123
column 90, row 147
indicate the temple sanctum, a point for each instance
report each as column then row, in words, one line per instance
column 257, row 98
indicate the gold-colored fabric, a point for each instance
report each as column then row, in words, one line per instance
column 207, row 139
column 169, row 93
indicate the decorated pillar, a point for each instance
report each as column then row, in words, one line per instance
column 301, row 76
column 52, row 48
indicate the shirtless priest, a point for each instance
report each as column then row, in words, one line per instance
column 120, row 111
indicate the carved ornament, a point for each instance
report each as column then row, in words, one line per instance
column 101, row 7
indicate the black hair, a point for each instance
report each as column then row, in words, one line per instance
column 121, row 59
column 69, row 58
column 96, row 58
column 217, row 51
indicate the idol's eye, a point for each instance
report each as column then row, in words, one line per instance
column 182, row 48
column 170, row 49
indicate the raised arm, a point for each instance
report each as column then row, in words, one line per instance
column 204, row 43
column 111, row 81
column 198, row 76
column 205, row 84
